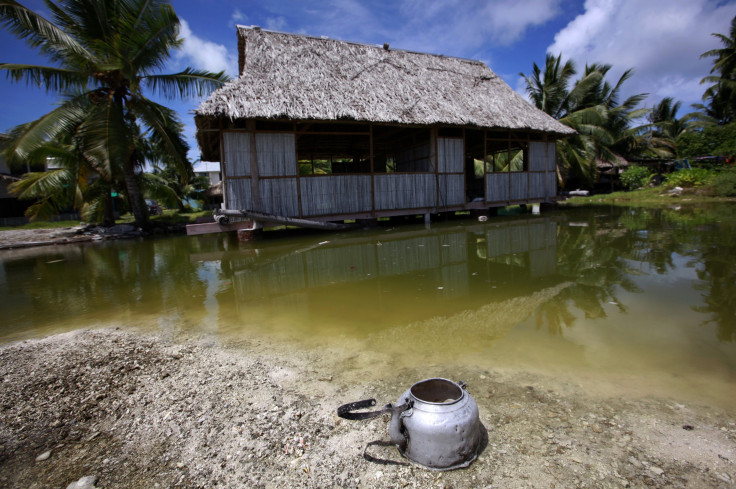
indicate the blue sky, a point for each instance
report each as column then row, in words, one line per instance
column 662, row 40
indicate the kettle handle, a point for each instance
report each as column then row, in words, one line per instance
column 396, row 429
column 346, row 410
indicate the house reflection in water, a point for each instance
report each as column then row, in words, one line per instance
column 393, row 278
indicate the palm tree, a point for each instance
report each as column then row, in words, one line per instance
column 663, row 127
column 79, row 179
column 105, row 52
column 721, row 94
column 548, row 91
column 591, row 107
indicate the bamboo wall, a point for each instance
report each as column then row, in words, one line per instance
column 450, row 166
column 335, row 194
column 261, row 174
column 405, row 191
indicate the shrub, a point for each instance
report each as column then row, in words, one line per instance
column 724, row 183
column 636, row 177
column 694, row 177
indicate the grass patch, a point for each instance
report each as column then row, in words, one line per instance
column 168, row 217
column 648, row 196
column 696, row 186
column 42, row 225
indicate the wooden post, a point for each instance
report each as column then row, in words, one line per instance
column 373, row 170
column 245, row 235
column 255, row 186
column 252, row 233
column 223, row 170
column 433, row 157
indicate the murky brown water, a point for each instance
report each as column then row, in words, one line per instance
column 629, row 301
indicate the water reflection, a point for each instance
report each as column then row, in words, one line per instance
column 358, row 284
column 560, row 269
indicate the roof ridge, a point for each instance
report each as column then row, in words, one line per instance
column 354, row 43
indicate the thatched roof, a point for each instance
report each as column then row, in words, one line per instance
column 297, row 77
column 612, row 167
column 214, row 190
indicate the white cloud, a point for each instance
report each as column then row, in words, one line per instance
column 238, row 16
column 453, row 27
column 661, row 39
column 206, row 55
column 460, row 25
column 509, row 19
column 276, row 23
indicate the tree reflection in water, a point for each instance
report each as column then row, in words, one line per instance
column 415, row 274
column 602, row 252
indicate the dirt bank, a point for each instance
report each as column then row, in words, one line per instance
column 24, row 238
column 29, row 238
column 144, row 411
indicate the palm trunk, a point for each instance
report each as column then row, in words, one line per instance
column 135, row 197
column 108, row 218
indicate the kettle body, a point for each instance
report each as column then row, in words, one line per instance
column 434, row 424
column 440, row 428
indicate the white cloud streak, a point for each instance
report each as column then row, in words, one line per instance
column 203, row 54
column 238, row 17
column 661, row 39
column 454, row 27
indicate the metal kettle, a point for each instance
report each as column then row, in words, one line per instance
column 434, row 424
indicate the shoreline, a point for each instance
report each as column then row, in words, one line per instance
column 14, row 239
column 158, row 410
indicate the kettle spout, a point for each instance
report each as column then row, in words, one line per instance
column 396, row 431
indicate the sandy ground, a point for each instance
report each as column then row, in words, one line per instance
column 29, row 238
column 21, row 238
column 135, row 410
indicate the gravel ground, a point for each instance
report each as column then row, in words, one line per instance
column 133, row 410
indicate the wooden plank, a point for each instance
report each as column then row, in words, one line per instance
column 213, row 227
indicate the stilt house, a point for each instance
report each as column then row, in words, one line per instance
column 328, row 130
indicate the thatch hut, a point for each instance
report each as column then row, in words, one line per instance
column 329, row 130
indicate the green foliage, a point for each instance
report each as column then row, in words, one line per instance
column 42, row 225
column 695, row 177
column 595, row 109
column 720, row 96
column 712, row 140
column 724, row 183
column 636, row 177
column 103, row 54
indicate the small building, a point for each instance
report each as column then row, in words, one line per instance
column 329, row 130
column 209, row 169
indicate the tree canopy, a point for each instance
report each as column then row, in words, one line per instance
column 104, row 55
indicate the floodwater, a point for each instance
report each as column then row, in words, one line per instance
column 617, row 300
